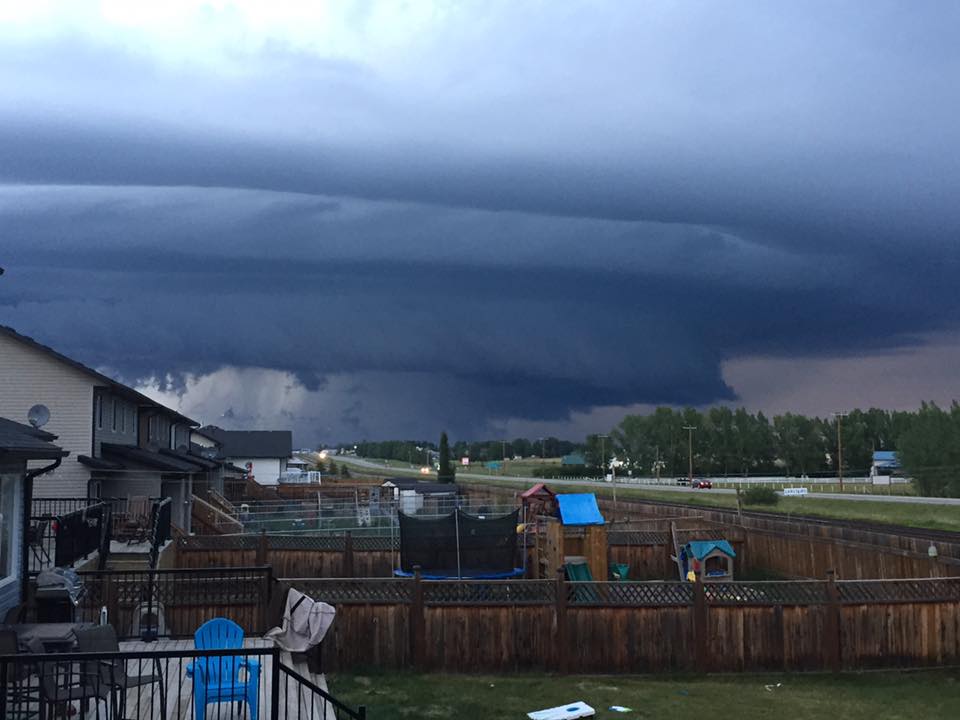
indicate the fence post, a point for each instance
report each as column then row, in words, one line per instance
column 701, row 650
column 560, row 611
column 417, row 621
column 261, row 557
column 265, row 598
column 348, row 555
column 832, row 643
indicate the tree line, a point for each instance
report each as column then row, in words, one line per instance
column 734, row 442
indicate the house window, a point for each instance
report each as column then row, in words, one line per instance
column 152, row 429
column 99, row 411
column 115, row 411
column 8, row 527
column 122, row 410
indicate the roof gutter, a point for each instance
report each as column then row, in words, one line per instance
column 26, row 501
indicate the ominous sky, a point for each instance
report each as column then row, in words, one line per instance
column 383, row 219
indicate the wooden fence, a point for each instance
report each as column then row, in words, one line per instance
column 504, row 626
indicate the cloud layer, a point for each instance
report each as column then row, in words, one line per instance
column 476, row 220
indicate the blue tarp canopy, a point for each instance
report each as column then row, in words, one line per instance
column 886, row 459
column 701, row 548
column 579, row 509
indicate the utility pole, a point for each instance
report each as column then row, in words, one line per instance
column 602, row 455
column 840, row 416
column 689, row 429
column 543, row 448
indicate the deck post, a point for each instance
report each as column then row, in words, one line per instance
column 831, row 644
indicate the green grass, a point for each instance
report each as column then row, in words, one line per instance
column 937, row 517
column 870, row 696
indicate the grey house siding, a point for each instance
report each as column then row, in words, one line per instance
column 114, row 420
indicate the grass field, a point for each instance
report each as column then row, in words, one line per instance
column 872, row 696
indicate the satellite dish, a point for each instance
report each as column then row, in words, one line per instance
column 38, row 416
column 209, row 453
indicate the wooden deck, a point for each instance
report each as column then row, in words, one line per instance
column 296, row 702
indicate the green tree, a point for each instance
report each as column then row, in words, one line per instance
column 930, row 450
column 445, row 469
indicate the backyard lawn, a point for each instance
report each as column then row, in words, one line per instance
column 870, row 696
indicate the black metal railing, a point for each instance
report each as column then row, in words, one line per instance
column 41, row 535
column 167, row 684
column 147, row 604
column 159, row 528
column 80, row 533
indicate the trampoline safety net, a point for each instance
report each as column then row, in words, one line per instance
column 486, row 546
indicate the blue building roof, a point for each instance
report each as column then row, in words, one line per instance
column 579, row 509
column 886, row 458
column 701, row 548
column 573, row 459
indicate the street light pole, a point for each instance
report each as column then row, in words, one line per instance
column 602, row 455
column 840, row 416
column 689, row 429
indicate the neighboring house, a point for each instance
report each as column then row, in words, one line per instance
column 885, row 465
column 573, row 459
column 20, row 445
column 264, row 454
column 122, row 444
column 413, row 496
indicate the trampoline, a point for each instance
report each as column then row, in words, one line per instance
column 459, row 545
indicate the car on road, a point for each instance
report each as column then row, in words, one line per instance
column 701, row 484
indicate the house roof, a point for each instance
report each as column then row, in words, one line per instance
column 27, row 441
column 573, row 459
column 579, row 509
column 251, row 443
column 114, row 385
column 131, row 456
column 701, row 548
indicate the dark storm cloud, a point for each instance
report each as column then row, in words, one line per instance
column 549, row 232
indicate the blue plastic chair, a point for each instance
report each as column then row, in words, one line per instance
column 217, row 679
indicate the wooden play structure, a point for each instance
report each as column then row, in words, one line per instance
column 575, row 539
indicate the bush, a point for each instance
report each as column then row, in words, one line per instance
column 760, row 495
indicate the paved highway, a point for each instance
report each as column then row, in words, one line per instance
column 385, row 470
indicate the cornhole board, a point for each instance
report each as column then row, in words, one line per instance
column 577, row 709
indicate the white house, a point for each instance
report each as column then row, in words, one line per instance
column 262, row 453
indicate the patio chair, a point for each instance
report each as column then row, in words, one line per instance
column 16, row 685
column 217, row 679
column 36, row 540
column 54, row 695
column 136, row 525
column 110, row 674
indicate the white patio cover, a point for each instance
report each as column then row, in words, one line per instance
column 305, row 622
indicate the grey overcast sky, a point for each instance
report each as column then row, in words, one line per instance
column 384, row 219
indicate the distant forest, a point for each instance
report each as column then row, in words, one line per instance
column 728, row 442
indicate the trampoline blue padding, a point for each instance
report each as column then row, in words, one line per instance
column 467, row 575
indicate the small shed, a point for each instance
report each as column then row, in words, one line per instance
column 578, row 535
column 708, row 560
